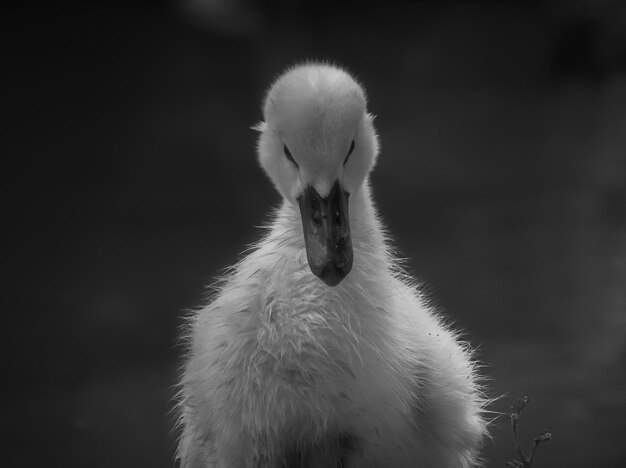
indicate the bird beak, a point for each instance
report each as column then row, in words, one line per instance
column 327, row 233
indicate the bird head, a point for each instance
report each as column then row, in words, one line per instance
column 318, row 145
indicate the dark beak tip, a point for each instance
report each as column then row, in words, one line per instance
column 332, row 275
column 332, row 280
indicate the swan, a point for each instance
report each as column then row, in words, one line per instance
column 316, row 350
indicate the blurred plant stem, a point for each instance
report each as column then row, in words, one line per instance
column 526, row 461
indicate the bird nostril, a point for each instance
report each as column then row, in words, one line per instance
column 338, row 220
column 317, row 220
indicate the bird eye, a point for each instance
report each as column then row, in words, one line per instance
column 289, row 156
column 349, row 152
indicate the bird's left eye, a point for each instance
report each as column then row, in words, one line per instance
column 349, row 152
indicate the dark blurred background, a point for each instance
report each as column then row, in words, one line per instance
column 129, row 181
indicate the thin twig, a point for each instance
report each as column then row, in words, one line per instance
column 515, row 414
column 526, row 462
column 543, row 437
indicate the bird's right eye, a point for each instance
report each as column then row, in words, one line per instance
column 288, row 155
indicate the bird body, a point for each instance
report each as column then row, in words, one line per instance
column 286, row 368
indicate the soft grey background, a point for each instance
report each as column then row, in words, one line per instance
column 129, row 181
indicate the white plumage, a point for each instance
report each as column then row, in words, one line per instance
column 285, row 370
